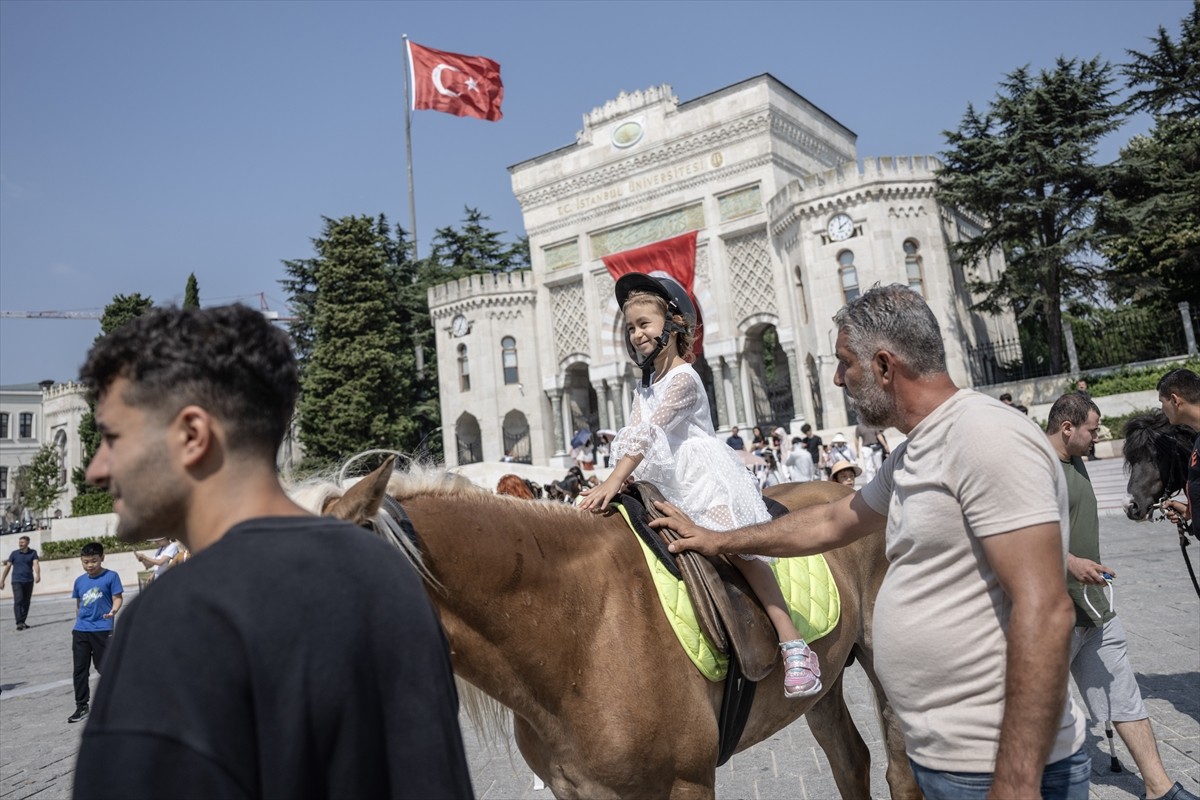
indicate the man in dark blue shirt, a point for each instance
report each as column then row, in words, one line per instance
column 26, row 571
column 734, row 440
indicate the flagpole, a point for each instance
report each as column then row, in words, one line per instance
column 412, row 204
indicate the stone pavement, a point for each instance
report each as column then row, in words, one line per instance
column 1153, row 597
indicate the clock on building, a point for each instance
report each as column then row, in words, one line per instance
column 840, row 227
column 459, row 326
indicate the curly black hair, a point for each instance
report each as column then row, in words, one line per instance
column 228, row 360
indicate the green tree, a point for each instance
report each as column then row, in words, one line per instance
column 359, row 386
column 89, row 499
column 1026, row 169
column 43, row 480
column 191, row 294
column 472, row 247
column 1152, row 219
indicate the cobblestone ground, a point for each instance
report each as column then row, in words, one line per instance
column 1153, row 596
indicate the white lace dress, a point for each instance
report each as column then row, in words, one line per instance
column 671, row 429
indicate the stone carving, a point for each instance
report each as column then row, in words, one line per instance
column 626, row 102
column 750, row 275
column 645, row 231
column 703, row 277
column 741, row 203
column 564, row 254
column 570, row 319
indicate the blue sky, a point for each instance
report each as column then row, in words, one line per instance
column 143, row 141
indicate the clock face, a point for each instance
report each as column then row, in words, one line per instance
column 459, row 325
column 840, row 227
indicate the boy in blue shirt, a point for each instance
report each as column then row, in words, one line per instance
column 98, row 598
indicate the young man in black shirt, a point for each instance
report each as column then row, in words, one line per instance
column 263, row 667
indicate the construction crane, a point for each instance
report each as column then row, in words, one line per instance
column 51, row 314
column 262, row 305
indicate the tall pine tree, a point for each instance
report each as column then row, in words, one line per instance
column 359, row 387
column 1027, row 169
column 90, row 499
column 1152, row 219
column 191, row 293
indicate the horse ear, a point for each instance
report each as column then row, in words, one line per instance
column 361, row 501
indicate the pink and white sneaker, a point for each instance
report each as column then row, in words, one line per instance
column 803, row 676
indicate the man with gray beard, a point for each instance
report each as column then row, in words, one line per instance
column 973, row 619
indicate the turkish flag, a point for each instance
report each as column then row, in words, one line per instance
column 466, row 86
column 674, row 257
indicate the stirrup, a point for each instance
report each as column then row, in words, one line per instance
column 803, row 675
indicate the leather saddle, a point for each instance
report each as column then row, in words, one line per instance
column 728, row 611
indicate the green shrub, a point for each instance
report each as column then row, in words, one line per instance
column 69, row 548
column 1131, row 380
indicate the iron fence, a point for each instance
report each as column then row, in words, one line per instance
column 1125, row 337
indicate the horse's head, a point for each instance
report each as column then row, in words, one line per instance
column 1156, row 455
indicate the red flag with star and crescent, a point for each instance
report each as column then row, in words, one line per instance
column 466, row 86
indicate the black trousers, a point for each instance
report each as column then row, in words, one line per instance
column 21, row 593
column 87, row 648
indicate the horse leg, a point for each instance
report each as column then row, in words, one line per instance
column 833, row 728
column 900, row 778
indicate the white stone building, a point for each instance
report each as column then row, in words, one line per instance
column 790, row 225
column 32, row 415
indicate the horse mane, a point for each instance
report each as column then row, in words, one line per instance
column 490, row 718
column 1141, row 435
column 1151, row 439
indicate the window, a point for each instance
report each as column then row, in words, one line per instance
column 849, row 275
column 508, row 347
column 464, row 370
column 4, row 481
column 26, row 425
column 4, row 425
column 912, row 263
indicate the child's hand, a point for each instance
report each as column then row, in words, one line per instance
column 596, row 499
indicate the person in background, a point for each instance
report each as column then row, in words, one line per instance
column 1099, row 658
column 26, row 571
column 799, row 463
column 845, row 473
column 840, row 450
column 1006, row 398
column 162, row 559
column 872, row 447
column 98, row 596
column 812, row 443
column 757, row 442
column 772, row 471
column 734, row 441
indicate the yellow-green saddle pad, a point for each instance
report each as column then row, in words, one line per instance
column 807, row 585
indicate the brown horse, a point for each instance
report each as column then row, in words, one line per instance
column 551, row 612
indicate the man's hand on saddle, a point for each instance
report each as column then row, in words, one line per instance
column 596, row 498
column 691, row 536
column 1176, row 511
column 1085, row 570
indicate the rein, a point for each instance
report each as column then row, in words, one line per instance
column 1183, row 534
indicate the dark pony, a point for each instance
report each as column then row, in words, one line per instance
column 1156, row 458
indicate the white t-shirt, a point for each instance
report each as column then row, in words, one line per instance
column 170, row 550
column 972, row 468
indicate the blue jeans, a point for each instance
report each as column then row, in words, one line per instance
column 1063, row 780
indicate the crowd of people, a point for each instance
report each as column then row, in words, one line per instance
column 994, row 594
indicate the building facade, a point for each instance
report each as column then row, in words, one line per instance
column 32, row 415
column 789, row 226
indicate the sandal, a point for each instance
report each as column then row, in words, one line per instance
column 803, row 675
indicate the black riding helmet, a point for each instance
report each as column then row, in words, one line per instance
column 677, row 301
